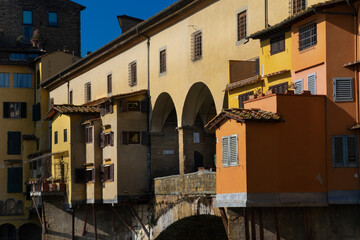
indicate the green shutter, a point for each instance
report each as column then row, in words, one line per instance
column 14, row 180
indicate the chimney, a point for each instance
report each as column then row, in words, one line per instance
column 127, row 22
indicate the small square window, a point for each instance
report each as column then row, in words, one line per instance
column 241, row 26
column 27, row 17
column 65, row 135
column 163, row 61
column 277, row 44
column 53, row 19
column 109, row 83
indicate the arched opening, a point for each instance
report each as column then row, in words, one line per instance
column 164, row 138
column 201, row 227
column 29, row 231
column 199, row 143
column 7, row 232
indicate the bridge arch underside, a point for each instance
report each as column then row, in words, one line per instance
column 201, row 227
column 197, row 144
column 7, row 232
column 30, row 231
column 164, row 138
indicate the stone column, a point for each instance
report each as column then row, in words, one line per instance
column 182, row 157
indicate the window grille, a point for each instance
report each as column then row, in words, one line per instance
column 296, row 6
column 197, row 46
column 132, row 74
column 87, row 92
column 163, row 61
column 241, row 24
column 109, row 83
column 307, row 36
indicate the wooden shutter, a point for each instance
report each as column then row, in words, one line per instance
column 112, row 138
column 23, row 110
column 343, row 90
column 80, row 175
column 14, row 143
column 102, row 140
column 338, row 151
column 6, row 110
column 125, row 137
column 312, row 83
column 233, row 150
column 351, row 150
column 225, row 151
column 102, row 173
column 102, row 110
column 124, row 106
column 144, row 106
column 111, row 108
column 298, row 85
column 93, row 175
column 111, row 172
column 14, row 180
column 144, row 138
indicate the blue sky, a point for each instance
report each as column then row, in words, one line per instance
column 99, row 24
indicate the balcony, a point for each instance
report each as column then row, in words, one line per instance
column 243, row 73
column 193, row 184
column 42, row 187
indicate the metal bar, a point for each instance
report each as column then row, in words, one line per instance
column 94, row 221
column 253, row 228
column 123, row 220
column 113, row 221
column 37, row 211
column 247, row 237
column 134, row 213
column 224, row 220
column 261, row 225
column 43, row 215
column 277, row 230
column 86, row 216
column 73, row 224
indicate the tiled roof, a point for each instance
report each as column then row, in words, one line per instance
column 69, row 109
column 276, row 73
column 243, row 82
column 99, row 101
column 243, row 115
column 285, row 24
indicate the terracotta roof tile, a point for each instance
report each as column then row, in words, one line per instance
column 243, row 115
column 243, row 82
column 68, row 109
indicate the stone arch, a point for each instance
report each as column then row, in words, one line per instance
column 164, row 137
column 30, row 231
column 7, row 232
column 10, row 206
column 200, row 103
column 183, row 209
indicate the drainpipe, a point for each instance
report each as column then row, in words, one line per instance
column 148, row 110
column 266, row 14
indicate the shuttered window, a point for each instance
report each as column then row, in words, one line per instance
column 345, row 151
column 14, row 143
column 14, row 110
column 312, row 83
column 88, row 134
column 109, row 83
column 132, row 74
column 36, row 112
column 298, row 85
column 230, row 150
column 90, row 175
column 87, row 92
column 14, row 180
column 106, row 139
column 244, row 97
column 279, row 88
column 343, row 89
column 107, row 173
column 277, row 44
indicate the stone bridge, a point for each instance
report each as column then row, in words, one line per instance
column 181, row 197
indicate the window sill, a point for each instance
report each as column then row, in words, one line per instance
column 162, row 74
column 241, row 41
column 197, row 59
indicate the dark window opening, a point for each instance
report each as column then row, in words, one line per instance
column 244, row 97
column 109, row 83
column 197, row 51
column 88, row 134
column 163, row 61
column 65, row 135
column 280, row 88
column 55, row 137
column 107, row 173
column 14, row 143
column 277, row 44
column 14, row 110
column 307, row 36
column 241, row 22
column 53, row 19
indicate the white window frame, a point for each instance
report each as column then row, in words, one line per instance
column 302, row 86
column 351, row 98
column 308, row 76
column 228, row 163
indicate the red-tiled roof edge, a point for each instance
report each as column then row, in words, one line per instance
column 56, row 108
column 117, row 96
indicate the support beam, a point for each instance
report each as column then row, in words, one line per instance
column 94, row 221
column 134, row 213
column 224, row 220
column 261, row 225
column 182, row 157
column 277, row 229
column 86, row 216
column 37, row 211
column 73, row 224
column 253, row 228
column 43, row 215
column 123, row 220
column 307, row 224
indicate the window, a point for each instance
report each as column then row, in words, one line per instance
column 132, row 74
column 53, row 19
column 22, row 80
column 36, row 112
column 37, row 79
column 14, row 110
column 27, row 33
column 241, row 26
column 55, row 137
column 107, row 173
column 131, row 137
column 27, row 17
column 14, row 143
column 312, row 83
column 244, row 97
column 106, row 139
column 277, row 44
column 65, row 135
column 163, row 61
column 230, row 150
column 51, row 103
column 298, row 86
column 134, row 106
column 345, row 151
column 4, row 80
column 71, row 97
column 17, row 57
column 307, row 36
column 279, row 88
column 88, row 134
column 106, row 108
column 297, row 6
column 87, row 92
column 14, row 180
column 90, row 174
column 196, row 46
column 109, row 83
column 343, row 89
